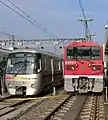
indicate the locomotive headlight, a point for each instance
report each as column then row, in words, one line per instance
column 89, row 64
column 32, row 85
column 9, row 85
column 76, row 65
column 94, row 68
column 72, row 68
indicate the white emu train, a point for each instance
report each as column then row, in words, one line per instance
column 29, row 71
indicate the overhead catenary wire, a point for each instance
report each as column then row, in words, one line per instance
column 25, row 14
column 82, row 9
column 28, row 20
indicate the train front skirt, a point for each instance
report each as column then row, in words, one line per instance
column 83, row 84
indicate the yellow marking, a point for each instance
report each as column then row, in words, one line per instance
column 38, row 98
column 23, row 78
column 19, row 78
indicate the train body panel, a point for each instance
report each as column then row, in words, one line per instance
column 31, row 71
column 83, row 67
column 29, row 84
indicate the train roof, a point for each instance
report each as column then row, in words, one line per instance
column 36, row 50
column 85, row 43
column 4, row 51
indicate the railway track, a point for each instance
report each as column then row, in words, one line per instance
column 77, row 107
column 7, row 106
column 12, row 107
column 93, row 109
column 68, row 107
column 60, row 111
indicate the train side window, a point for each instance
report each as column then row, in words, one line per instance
column 47, row 63
column 39, row 62
column 56, row 65
column 61, row 64
column 43, row 62
column 48, row 66
column 39, row 65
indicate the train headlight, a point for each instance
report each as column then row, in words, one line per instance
column 32, row 86
column 94, row 68
column 89, row 64
column 76, row 65
column 72, row 68
column 9, row 85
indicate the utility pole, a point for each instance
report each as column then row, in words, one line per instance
column 87, row 35
column 13, row 40
column 85, row 20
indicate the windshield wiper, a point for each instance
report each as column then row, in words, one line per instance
column 20, row 66
column 23, row 65
column 19, row 70
column 18, row 62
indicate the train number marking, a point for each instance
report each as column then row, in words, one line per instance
column 70, row 62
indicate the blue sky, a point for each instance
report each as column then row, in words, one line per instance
column 60, row 17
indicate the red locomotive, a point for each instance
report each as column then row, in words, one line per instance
column 83, row 67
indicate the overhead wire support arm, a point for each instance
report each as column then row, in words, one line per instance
column 85, row 20
column 44, row 30
column 87, row 32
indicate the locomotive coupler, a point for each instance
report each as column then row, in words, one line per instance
column 83, row 84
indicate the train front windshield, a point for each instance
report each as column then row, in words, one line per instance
column 80, row 52
column 23, row 63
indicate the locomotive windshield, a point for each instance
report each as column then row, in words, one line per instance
column 83, row 52
column 23, row 63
